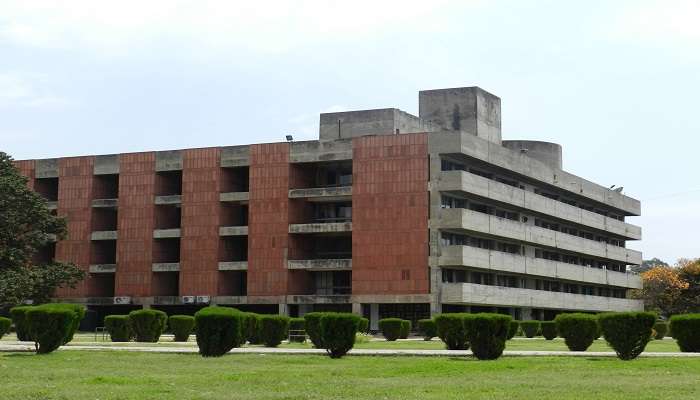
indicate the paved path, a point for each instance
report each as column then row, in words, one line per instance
column 24, row 347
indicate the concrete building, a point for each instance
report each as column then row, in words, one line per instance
column 387, row 214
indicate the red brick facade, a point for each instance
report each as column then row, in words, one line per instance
column 390, row 215
column 135, row 224
column 268, row 221
column 75, row 203
column 389, row 238
column 199, row 248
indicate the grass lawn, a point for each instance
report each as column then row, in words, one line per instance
column 108, row 375
column 515, row 344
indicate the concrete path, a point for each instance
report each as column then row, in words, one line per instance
column 27, row 347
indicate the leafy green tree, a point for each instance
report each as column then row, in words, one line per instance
column 648, row 264
column 27, row 225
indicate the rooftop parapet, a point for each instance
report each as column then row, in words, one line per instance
column 384, row 121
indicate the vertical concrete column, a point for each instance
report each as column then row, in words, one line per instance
column 374, row 317
column 357, row 308
column 526, row 314
column 283, row 309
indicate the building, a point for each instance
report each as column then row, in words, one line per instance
column 387, row 214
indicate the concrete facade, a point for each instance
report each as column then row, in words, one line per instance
column 388, row 214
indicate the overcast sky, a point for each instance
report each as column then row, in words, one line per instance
column 616, row 83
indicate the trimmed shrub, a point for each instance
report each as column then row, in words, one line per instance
column 119, row 328
column 50, row 325
column 148, row 324
column 251, row 328
column 297, row 324
column 487, row 334
column 548, row 329
column 405, row 329
column 660, row 330
column 5, row 324
column 428, row 328
column 530, row 328
column 513, row 328
column 19, row 317
column 182, row 326
column 686, row 330
column 363, row 327
column 338, row 332
column 627, row 332
column 578, row 330
column 452, row 331
column 391, row 328
column 273, row 329
column 219, row 329
column 312, row 323
column 79, row 312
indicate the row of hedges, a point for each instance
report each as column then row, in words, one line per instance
column 395, row 328
column 484, row 333
column 49, row 326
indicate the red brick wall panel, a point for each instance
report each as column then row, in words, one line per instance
column 199, row 243
column 26, row 168
column 390, row 215
column 74, row 203
column 268, row 223
column 135, row 224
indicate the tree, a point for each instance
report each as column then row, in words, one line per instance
column 689, row 272
column 662, row 290
column 27, row 225
column 648, row 264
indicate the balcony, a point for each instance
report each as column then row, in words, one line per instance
column 462, row 181
column 336, row 193
column 103, row 235
column 342, row 264
column 470, row 293
column 168, row 199
column 469, row 256
column 103, row 268
column 321, row 227
column 166, row 233
column 234, row 197
column 165, row 267
column 468, row 220
column 105, row 203
column 233, row 231
column 233, row 265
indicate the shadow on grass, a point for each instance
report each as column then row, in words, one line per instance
column 18, row 354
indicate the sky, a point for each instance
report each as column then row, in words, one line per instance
column 616, row 83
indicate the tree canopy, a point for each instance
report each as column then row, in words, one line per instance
column 26, row 226
column 672, row 290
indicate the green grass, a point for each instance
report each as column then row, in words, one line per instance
column 106, row 375
column 536, row 344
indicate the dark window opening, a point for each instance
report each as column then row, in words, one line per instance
column 168, row 183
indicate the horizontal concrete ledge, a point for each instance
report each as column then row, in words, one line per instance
column 473, row 221
column 234, row 196
column 462, row 181
column 233, row 231
column 233, row 266
column 470, row 293
column 166, row 233
column 51, row 238
column 344, row 264
column 330, row 227
column 165, row 267
column 319, row 299
column 468, row 256
column 322, row 194
column 103, row 235
column 103, row 268
column 52, row 205
column 171, row 199
column 105, row 203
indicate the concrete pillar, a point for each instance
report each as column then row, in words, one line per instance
column 283, row 309
column 357, row 308
column 526, row 314
column 374, row 317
